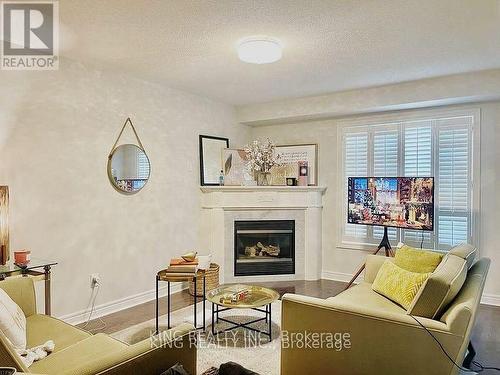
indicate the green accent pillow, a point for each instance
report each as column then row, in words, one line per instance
column 440, row 289
column 464, row 251
column 417, row 260
column 397, row 284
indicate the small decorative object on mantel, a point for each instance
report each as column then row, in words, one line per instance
column 303, row 179
column 262, row 157
column 4, row 224
column 128, row 165
column 291, row 181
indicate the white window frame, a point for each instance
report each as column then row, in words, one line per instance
column 360, row 123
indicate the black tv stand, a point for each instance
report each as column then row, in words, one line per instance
column 388, row 253
column 385, row 244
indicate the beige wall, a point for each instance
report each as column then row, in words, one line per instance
column 341, row 263
column 56, row 130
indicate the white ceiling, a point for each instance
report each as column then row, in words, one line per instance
column 328, row 45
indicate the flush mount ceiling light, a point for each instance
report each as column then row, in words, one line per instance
column 259, row 50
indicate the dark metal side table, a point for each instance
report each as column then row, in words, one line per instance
column 171, row 277
column 33, row 268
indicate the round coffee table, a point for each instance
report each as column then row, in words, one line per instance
column 257, row 298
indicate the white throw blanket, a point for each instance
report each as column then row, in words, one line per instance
column 37, row 353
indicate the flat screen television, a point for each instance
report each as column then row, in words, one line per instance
column 400, row 202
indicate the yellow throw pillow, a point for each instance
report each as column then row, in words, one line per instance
column 398, row 284
column 417, row 260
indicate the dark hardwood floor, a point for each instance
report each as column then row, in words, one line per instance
column 485, row 336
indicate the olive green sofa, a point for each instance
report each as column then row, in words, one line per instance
column 78, row 352
column 382, row 337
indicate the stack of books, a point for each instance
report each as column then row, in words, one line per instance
column 179, row 268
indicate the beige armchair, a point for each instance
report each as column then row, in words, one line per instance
column 380, row 337
column 78, row 352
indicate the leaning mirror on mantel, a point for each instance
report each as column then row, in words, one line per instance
column 128, row 165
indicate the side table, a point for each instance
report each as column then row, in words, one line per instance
column 170, row 277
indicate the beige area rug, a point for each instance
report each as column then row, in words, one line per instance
column 243, row 346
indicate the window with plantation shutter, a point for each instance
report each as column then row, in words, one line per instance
column 436, row 146
column 385, row 164
column 418, row 149
column 454, row 181
column 142, row 166
column 355, row 164
column 417, row 146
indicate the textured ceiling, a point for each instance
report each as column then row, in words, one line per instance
column 328, row 45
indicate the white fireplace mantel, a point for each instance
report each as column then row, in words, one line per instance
column 222, row 205
column 244, row 197
column 208, row 189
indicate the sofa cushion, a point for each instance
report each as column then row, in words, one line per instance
column 417, row 260
column 363, row 293
column 22, row 292
column 466, row 252
column 12, row 321
column 81, row 352
column 41, row 328
column 398, row 284
column 441, row 288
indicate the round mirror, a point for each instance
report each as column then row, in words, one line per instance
column 128, row 168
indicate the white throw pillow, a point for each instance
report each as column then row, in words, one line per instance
column 12, row 321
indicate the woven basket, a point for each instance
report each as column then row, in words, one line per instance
column 212, row 281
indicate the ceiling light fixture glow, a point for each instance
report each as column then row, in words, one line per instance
column 259, row 50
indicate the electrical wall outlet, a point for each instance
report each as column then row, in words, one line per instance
column 95, row 279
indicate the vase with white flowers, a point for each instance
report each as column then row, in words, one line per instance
column 262, row 156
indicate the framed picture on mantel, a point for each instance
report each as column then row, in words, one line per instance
column 235, row 167
column 290, row 156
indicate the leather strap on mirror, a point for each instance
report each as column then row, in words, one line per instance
column 129, row 122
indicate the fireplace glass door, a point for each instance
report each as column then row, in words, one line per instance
column 264, row 247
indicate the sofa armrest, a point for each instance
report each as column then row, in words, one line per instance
column 8, row 356
column 372, row 265
column 354, row 339
column 149, row 356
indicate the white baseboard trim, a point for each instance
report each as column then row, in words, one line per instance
column 487, row 299
column 490, row 299
column 340, row 276
column 120, row 304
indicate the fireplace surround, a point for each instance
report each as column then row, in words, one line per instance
column 222, row 206
column 264, row 247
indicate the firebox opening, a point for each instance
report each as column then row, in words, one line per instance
column 264, row 247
